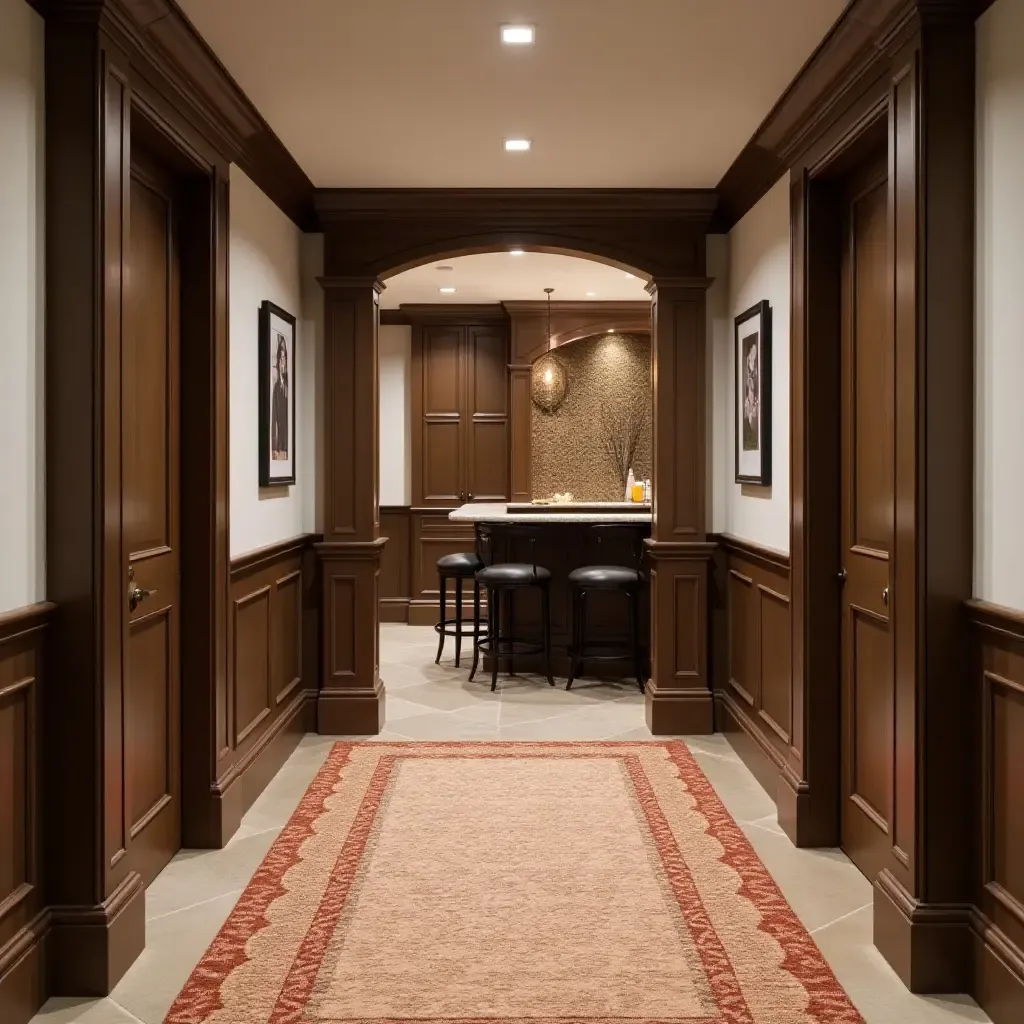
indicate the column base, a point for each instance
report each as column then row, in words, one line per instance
column 90, row 948
column 679, row 712
column 351, row 712
column 927, row 944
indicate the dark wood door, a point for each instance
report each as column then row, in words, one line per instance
column 486, row 459
column 150, row 489
column 867, row 491
column 440, row 382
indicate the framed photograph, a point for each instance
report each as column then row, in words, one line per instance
column 277, row 396
column 753, row 390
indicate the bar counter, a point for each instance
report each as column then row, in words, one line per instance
column 565, row 541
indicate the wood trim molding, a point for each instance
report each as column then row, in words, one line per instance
column 456, row 313
column 258, row 557
column 176, row 59
column 515, row 203
column 771, row 557
column 996, row 616
column 23, row 620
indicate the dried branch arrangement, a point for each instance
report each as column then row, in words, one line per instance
column 621, row 429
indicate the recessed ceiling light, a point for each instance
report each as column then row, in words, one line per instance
column 517, row 35
column 611, row 330
column 446, row 291
column 629, row 274
column 590, row 295
column 517, row 145
column 445, row 268
column 516, row 252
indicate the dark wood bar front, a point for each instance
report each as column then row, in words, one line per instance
column 566, row 539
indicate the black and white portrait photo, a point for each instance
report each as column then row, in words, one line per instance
column 277, row 396
column 753, row 395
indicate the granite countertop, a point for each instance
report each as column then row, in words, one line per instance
column 576, row 513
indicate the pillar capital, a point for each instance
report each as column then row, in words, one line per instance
column 371, row 281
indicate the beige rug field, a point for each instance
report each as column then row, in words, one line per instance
column 512, row 883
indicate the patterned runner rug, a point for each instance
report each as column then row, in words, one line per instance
column 512, row 883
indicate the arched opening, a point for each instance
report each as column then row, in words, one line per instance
column 467, row 397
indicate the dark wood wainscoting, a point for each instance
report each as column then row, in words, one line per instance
column 998, row 918
column 434, row 535
column 272, row 675
column 752, row 666
column 24, row 918
column 396, row 563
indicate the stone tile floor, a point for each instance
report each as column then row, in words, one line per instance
column 188, row 903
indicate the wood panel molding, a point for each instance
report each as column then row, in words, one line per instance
column 171, row 55
column 997, row 679
column 24, row 916
column 272, row 677
column 396, row 563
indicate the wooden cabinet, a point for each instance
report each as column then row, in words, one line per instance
column 460, row 412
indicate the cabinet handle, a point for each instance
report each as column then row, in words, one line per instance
column 885, row 597
column 469, row 496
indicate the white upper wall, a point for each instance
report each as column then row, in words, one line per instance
column 22, row 283
column 265, row 261
column 395, row 369
column 758, row 268
column 999, row 271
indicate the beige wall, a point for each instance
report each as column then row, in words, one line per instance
column 568, row 448
column 395, row 365
column 22, row 282
column 999, row 273
column 757, row 267
column 266, row 257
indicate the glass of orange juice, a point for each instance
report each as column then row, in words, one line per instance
column 637, row 494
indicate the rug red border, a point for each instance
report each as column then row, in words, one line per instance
column 828, row 1002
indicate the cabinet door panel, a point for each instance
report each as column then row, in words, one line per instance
column 486, row 414
column 439, row 416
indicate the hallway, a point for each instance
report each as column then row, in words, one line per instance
column 189, row 902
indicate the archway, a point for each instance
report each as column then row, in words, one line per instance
column 370, row 235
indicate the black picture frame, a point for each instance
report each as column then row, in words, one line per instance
column 753, row 387
column 276, row 323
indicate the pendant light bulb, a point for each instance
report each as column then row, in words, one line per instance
column 548, row 291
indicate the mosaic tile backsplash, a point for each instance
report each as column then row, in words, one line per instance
column 605, row 373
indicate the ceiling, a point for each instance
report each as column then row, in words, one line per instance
column 499, row 276
column 421, row 93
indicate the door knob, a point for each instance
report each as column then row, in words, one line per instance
column 885, row 597
column 136, row 595
column 841, row 576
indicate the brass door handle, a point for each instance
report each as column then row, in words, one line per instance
column 136, row 595
column 885, row 597
column 841, row 576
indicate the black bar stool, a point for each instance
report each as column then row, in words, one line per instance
column 506, row 578
column 618, row 579
column 460, row 566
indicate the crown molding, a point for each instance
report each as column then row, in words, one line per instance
column 847, row 60
column 526, row 205
column 168, row 51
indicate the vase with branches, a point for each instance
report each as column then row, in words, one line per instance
column 622, row 426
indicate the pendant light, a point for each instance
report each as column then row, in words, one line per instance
column 548, row 379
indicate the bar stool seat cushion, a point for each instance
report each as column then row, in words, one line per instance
column 605, row 577
column 462, row 563
column 512, row 574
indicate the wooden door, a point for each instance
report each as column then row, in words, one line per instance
column 867, row 489
column 487, row 420
column 438, row 406
column 150, row 523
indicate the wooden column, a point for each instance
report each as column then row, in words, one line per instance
column 679, row 698
column 351, row 699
